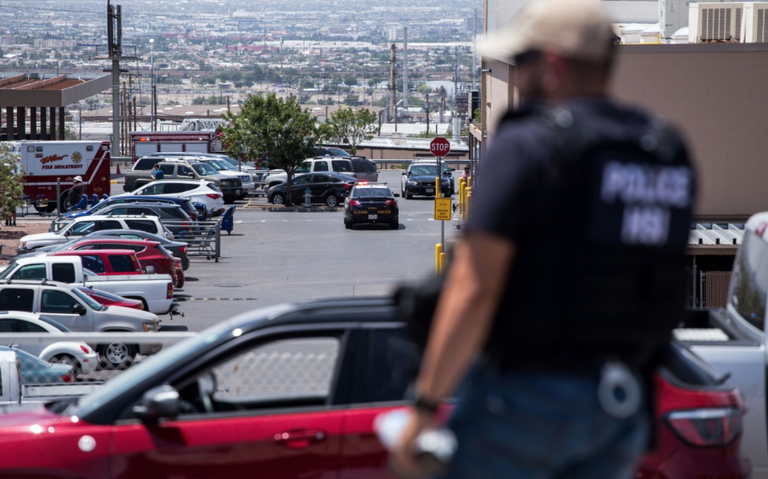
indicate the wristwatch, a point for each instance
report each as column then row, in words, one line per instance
column 426, row 405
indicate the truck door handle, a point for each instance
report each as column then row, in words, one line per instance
column 299, row 438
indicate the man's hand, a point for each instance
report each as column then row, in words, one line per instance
column 402, row 461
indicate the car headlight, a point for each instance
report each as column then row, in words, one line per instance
column 412, row 183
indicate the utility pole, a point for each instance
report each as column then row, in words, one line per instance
column 405, row 69
column 392, row 83
column 427, row 115
column 474, row 53
column 152, row 84
column 115, row 54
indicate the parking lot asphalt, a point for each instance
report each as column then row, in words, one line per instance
column 273, row 257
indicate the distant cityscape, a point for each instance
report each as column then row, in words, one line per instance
column 214, row 53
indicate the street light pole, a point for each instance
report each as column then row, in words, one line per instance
column 152, row 83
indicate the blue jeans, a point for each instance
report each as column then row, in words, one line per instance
column 534, row 425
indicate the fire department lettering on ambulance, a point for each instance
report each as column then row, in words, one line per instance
column 648, row 193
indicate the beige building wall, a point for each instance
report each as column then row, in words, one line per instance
column 715, row 93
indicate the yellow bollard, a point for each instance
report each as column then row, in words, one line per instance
column 437, row 188
column 442, row 262
column 469, row 203
column 438, row 252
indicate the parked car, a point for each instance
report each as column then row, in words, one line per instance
column 179, row 168
column 77, row 354
column 224, row 168
column 148, row 253
column 257, row 175
column 292, row 391
column 342, row 166
column 371, row 203
column 109, row 299
column 155, row 291
column 420, row 179
column 203, row 192
column 186, row 205
column 37, row 371
column 172, row 216
column 177, row 248
column 88, row 224
column 65, row 304
column 365, row 169
column 328, row 188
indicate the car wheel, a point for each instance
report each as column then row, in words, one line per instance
column 331, row 200
column 67, row 359
column 395, row 224
column 408, row 196
column 278, row 199
column 117, row 355
column 348, row 225
column 65, row 204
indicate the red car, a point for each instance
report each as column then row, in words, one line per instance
column 109, row 299
column 292, row 392
column 149, row 253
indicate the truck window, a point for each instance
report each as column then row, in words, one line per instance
column 57, row 302
column 321, row 166
column 16, row 299
column 394, row 364
column 82, row 229
column 304, row 168
column 119, row 211
column 185, row 171
column 64, row 273
column 122, row 264
column 93, row 263
column 108, row 225
column 145, row 163
column 749, row 283
column 31, row 271
column 167, row 169
column 141, row 225
column 342, row 166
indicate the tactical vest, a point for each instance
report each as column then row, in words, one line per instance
column 602, row 274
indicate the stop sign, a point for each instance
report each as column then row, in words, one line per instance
column 440, row 146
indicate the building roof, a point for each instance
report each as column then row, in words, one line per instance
column 49, row 89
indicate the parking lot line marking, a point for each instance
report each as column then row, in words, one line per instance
column 238, row 222
column 263, row 221
column 220, row 299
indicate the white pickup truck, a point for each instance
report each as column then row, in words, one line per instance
column 155, row 291
column 13, row 392
column 734, row 340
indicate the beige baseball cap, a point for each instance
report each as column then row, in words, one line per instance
column 79, row 179
column 579, row 29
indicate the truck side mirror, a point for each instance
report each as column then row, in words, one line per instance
column 158, row 402
column 191, row 175
column 405, row 173
column 78, row 309
column 149, row 270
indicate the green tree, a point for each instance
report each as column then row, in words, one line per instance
column 11, row 181
column 272, row 128
column 349, row 80
column 349, row 126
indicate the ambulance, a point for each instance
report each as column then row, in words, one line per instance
column 46, row 161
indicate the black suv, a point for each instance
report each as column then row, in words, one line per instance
column 419, row 179
column 371, row 203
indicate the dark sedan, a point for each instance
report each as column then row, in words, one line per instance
column 420, row 180
column 371, row 203
column 328, row 188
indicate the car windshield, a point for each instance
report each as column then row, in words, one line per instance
column 424, row 170
column 204, row 169
column 92, row 303
column 371, row 192
column 222, row 165
column 304, row 168
column 100, row 294
column 8, row 269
